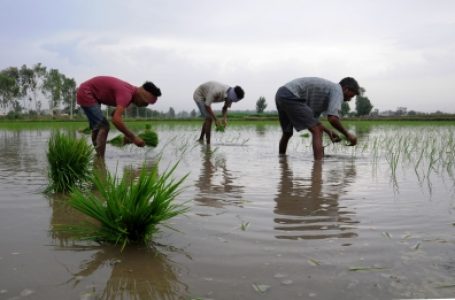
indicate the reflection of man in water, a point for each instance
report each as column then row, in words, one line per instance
column 216, row 183
column 308, row 208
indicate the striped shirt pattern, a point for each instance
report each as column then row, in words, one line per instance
column 321, row 95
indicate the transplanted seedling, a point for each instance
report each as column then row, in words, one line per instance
column 127, row 210
column 69, row 162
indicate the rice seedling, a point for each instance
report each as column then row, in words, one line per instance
column 220, row 128
column 118, row 141
column 69, row 162
column 85, row 130
column 128, row 210
column 149, row 137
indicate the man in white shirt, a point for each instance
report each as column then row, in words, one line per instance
column 301, row 101
column 213, row 92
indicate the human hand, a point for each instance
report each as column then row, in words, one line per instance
column 335, row 138
column 126, row 140
column 138, row 141
column 352, row 139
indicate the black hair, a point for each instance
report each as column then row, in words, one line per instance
column 239, row 92
column 350, row 83
column 151, row 88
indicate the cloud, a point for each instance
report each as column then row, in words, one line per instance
column 257, row 44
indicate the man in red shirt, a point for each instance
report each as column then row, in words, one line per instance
column 114, row 92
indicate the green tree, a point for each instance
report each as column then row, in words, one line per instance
column 345, row 108
column 261, row 105
column 69, row 93
column 39, row 72
column 363, row 105
column 9, row 88
column 53, row 85
column 171, row 113
column 193, row 113
column 27, row 85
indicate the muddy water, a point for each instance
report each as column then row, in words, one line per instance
column 259, row 226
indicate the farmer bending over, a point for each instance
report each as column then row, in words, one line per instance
column 211, row 92
column 114, row 92
column 301, row 101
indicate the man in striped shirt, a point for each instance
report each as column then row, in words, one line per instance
column 300, row 103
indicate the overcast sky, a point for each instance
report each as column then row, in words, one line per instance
column 402, row 51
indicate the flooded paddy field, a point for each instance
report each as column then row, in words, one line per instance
column 375, row 221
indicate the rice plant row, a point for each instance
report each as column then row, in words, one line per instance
column 70, row 162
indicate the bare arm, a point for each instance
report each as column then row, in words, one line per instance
column 335, row 122
column 211, row 113
column 332, row 135
column 117, row 120
column 227, row 104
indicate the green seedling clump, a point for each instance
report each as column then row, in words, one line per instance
column 149, row 137
column 117, row 141
column 220, row 128
column 127, row 210
column 85, row 130
column 69, row 162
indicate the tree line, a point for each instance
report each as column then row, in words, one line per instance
column 26, row 89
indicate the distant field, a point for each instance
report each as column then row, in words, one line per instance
column 237, row 119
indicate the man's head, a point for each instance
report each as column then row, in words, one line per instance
column 235, row 94
column 147, row 94
column 350, row 88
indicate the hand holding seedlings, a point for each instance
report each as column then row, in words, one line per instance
column 352, row 139
column 335, row 138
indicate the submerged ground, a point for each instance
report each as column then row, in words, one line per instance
column 374, row 221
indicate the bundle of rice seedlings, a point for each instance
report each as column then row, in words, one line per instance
column 149, row 137
column 117, row 141
column 220, row 128
column 128, row 210
column 85, row 130
column 70, row 162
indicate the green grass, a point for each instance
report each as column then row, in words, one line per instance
column 70, row 162
column 128, row 209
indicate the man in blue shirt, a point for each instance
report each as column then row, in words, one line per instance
column 300, row 103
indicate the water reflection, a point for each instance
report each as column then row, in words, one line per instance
column 136, row 273
column 216, row 182
column 308, row 208
column 63, row 215
column 260, row 129
column 19, row 152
